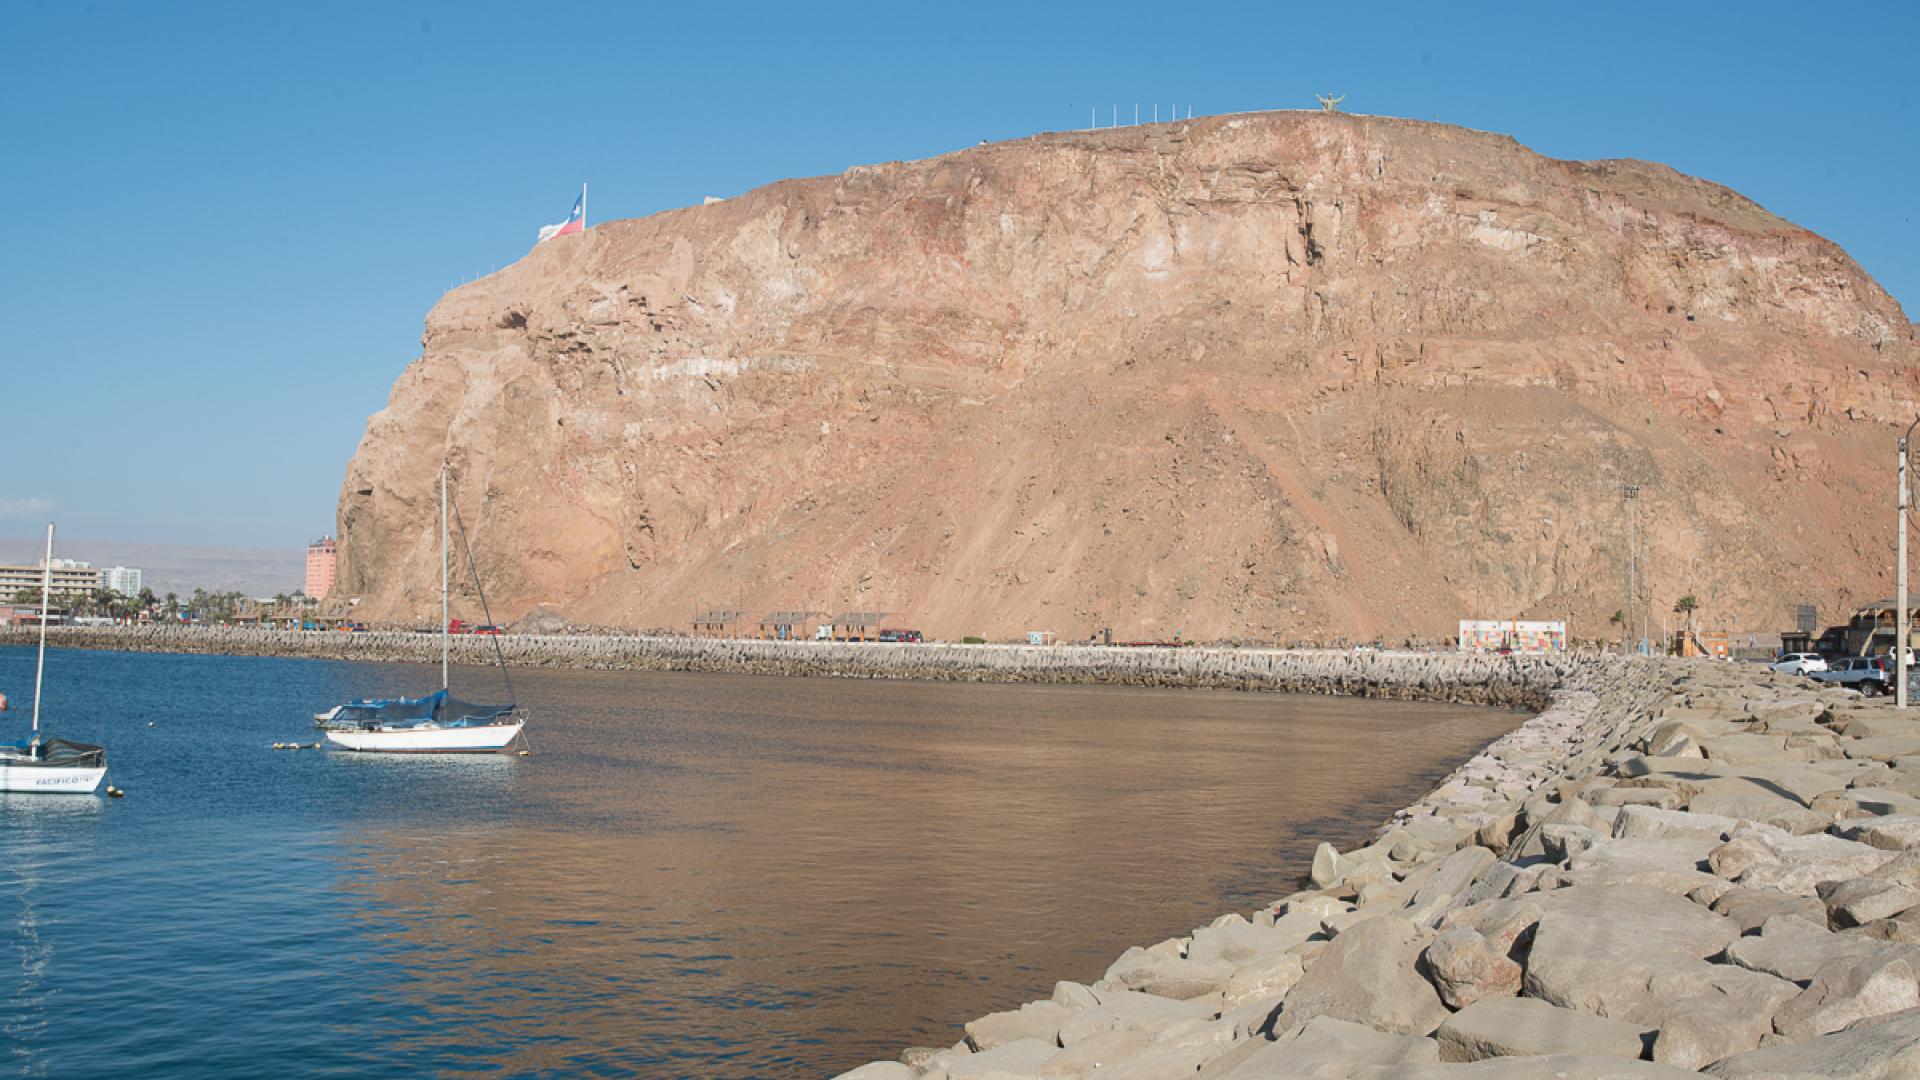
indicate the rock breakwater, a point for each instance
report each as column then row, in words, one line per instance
column 1677, row 867
column 1514, row 682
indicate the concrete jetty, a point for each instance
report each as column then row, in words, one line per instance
column 1515, row 681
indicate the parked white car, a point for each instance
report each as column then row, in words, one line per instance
column 1800, row 663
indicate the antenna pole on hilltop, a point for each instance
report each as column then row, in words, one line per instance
column 1093, row 117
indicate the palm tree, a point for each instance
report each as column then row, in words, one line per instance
column 1619, row 619
column 1685, row 606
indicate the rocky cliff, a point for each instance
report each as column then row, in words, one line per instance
column 1277, row 375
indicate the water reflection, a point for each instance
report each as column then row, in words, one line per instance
column 691, row 875
column 761, row 877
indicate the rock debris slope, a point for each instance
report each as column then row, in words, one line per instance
column 1271, row 375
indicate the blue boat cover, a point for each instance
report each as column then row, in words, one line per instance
column 51, row 751
column 439, row 706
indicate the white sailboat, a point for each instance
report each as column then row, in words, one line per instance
column 438, row 723
column 49, row 766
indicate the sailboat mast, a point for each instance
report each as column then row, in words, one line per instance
column 446, row 628
column 46, row 594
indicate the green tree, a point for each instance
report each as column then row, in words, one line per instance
column 1685, row 606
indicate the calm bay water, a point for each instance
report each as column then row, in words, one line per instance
column 692, row 875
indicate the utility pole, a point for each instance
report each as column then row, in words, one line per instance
column 1634, row 625
column 1901, row 629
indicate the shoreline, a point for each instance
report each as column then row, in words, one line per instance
column 1518, row 682
column 1675, row 867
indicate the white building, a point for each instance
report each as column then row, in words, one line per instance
column 124, row 580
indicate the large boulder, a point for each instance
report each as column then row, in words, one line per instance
column 1367, row 975
column 1847, row 990
column 1167, row 976
column 1021, row 1060
column 879, row 1070
column 1127, row 1010
column 1651, row 822
column 1791, row 948
column 1034, row 1020
column 1264, row 977
column 1807, row 861
column 1330, row 1047
column 1898, row 832
column 1862, row 900
column 1103, row 1051
column 1465, row 966
column 1325, row 871
column 1450, row 878
column 1237, row 941
column 1667, row 864
column 1549, row 1067
column 1639, row 957
column 1888, row 1049
column 1519, row 1027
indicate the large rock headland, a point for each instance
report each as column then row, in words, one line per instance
column 1261, row 376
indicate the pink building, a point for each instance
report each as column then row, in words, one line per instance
column 320, row 559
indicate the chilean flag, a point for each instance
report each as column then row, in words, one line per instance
column 576, row 221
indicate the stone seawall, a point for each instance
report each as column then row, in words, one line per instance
column 1677, row 867
column 1515, row 682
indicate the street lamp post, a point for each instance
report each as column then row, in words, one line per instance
column 1901, row 630
column 1634, row 622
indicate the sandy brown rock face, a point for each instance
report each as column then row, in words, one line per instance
column 1272, row 375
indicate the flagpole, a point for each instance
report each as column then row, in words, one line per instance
column 583, row 206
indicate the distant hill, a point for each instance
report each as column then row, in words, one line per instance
column 177, row 567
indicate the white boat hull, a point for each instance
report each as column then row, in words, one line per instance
column 51, row 779
column 484, row 739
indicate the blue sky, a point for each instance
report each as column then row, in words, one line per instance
column 226, row 222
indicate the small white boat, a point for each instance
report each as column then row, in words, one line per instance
column 438, row 723
column 52, row 767
column 49, row 766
